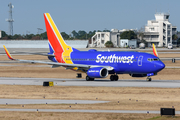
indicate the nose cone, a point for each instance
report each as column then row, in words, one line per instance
column 160, row 65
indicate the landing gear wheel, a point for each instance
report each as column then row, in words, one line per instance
column 89, row 79
column 114, row 77
column 148, row 79
column 92, row 79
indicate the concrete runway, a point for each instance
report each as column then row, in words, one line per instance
column 81, row 82
column 96, row 83
column 85, row 111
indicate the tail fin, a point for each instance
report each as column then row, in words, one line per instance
column 57, row 44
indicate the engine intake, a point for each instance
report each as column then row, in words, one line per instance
column 97, row 72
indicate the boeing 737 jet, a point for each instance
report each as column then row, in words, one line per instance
column 96, row 64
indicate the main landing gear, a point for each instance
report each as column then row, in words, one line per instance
column 114, row 77
column 89, row 79
column 148, row 78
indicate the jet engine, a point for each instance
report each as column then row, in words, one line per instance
column 97, row 72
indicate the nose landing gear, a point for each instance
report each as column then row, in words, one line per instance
column 114, row 77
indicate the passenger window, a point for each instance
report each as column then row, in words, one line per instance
column 134, row 60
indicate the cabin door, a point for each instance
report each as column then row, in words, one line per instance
column 140, row 60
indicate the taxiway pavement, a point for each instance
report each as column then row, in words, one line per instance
column 96, row 83
column 47, row 101
column 86, row 111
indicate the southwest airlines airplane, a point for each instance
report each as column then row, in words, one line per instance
column 96, row 64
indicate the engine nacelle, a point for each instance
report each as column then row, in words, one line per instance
column 138, row 75
column 97, row 72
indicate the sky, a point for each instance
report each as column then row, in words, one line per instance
column 87, row 15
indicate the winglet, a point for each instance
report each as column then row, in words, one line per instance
column 7, row 52
column 154, row 50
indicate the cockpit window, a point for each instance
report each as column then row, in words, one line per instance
column 153, row 59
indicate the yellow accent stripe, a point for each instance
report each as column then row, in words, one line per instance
column 155, row 50
column 67, row 49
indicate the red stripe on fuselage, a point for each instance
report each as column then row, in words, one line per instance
column 58, row 50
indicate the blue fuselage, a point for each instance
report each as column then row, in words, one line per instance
column 122, row 62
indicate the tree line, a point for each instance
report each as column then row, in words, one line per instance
column 74, row 35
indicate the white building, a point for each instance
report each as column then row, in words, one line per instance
column 126, row 42
column 159, row 31
column 100, row 38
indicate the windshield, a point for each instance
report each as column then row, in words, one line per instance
column 153, row 59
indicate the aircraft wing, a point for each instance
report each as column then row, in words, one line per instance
column 44, row 54
column 56, row 64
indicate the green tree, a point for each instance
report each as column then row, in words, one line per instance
column 17, row 37
column 109, row 44
column 65, row 36
column 29, row 36
column 128, row 35
column 9, row 37
column 82, row 34
column 44, row 35
column 36, row 37
column 75, row 34
column 91, row 33
column 174, row 37
column 3, row 34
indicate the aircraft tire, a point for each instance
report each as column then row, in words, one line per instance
column 89, row 79
column 148, row 79
column 112, row 77
column 116, row 77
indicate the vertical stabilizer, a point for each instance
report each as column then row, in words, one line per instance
column 57, row 44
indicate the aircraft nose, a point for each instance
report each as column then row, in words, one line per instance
column 160, row 66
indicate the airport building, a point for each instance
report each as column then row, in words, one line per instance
column 159, row 31
column 100, row 38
